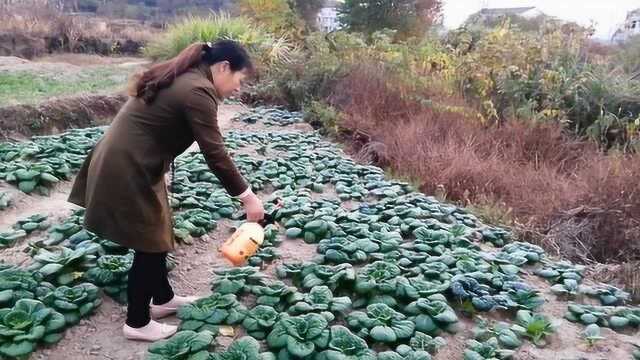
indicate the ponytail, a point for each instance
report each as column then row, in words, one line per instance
column 147, row 84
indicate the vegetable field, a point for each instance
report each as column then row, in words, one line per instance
column 355, row 266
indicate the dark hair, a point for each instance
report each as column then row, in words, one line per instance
column 159, row 76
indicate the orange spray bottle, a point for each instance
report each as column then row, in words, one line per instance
column 245, row 241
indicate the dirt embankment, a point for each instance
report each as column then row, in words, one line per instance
column 54, row 116
column 29, row 47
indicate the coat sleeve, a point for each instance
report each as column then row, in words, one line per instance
column 201, row 112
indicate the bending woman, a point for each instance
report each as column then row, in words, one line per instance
column 121, row 183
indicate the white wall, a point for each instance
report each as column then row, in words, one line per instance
column 631, row 27
column 328, row 19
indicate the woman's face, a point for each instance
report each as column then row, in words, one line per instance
column 225, row 80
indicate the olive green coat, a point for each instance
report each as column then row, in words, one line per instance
column 121, row 183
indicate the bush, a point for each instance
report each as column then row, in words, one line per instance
column 266, row 49
column 307, row 77
column 322, row 116
column 511, row 74
column 627, row 56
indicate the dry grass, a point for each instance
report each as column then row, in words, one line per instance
column 39, row 21
column 553, row 189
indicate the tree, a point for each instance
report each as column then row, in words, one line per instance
column 308, row 11
column 408, row 17
column 275, row 15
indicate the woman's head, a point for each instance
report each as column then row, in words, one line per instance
column 230, row 65
column 227, row 59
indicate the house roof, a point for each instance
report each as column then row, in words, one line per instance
column 506, row 11
column 633, row 13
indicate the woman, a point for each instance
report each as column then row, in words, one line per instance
column 121, row 183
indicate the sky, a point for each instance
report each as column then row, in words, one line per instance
column 607, row 14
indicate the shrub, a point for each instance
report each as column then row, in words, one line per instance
column 267, row 49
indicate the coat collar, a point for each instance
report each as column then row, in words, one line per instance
column 205, row 70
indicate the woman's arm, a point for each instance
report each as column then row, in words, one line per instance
column 201, row 112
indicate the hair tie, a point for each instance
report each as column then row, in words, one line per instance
column 208, row 44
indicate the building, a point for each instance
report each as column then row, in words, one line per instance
column 629, row 28
column 328, row 16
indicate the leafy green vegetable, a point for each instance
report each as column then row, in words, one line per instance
column 556, row 273
column 276, row 294
column 526, row 298
column 75, row 302
column 381, row 323
column 607, row 316
column 236, row 280
column 5, row 200
column 291, row 270
column 386, row 240
column 315, row 230
column 607, row 294
column 467, row 288
column 631, row 314
column 497, row 237
column 636, row 352
column 520, row 250
column 193, row 223
column 32, row 223
column 419, row 287
column 507, row 338
column 568, row 288
column 9, row 238
column 592, row 334
column 320, row 299
column 260, row 320
column 489, row 349
column 271, row 235
column 432, row 315
column 344, row 345
column 63, row 267
column 534, row 326
column 264, row 255
column 184, row 345
column 309, row 275
column 59, row 233
column 38, row 164
column 585, row 314
column 26, row 325
column 209, row 312
column 378, row 278
column 17, row 283
column 421, row 346
column 300, row 336
column 245, row 348
column 347, row 249
column 111, row 274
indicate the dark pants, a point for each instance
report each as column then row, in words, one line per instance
column 147, row 280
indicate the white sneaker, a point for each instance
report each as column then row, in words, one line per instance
column 160, row 311
column 153, row 331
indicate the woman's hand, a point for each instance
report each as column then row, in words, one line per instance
column 253, row 208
